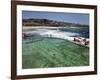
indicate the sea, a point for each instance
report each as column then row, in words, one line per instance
column 81, row 31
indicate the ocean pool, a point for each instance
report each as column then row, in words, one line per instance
column 46, row 52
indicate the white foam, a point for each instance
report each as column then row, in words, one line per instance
column 53, row 33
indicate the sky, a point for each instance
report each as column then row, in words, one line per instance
column 81, row 18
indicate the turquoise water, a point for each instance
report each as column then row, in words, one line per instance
column 42, row 52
